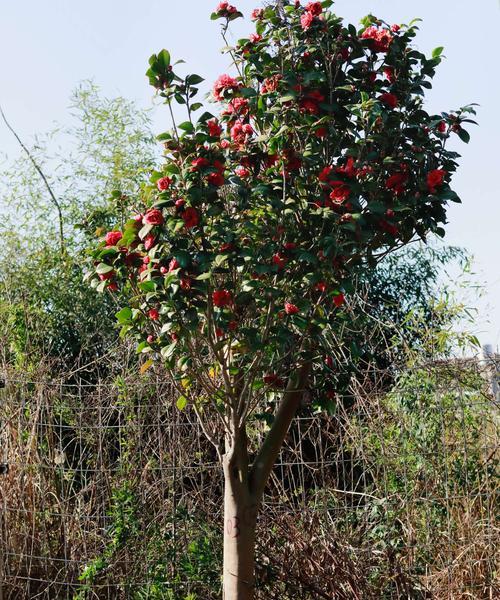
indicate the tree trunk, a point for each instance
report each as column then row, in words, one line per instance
column 244, row 488
column 240, row 518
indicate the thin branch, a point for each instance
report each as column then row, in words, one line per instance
column 54, row 200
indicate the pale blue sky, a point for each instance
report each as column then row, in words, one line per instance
column 47, row 47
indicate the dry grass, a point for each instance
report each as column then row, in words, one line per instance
column 362, row 505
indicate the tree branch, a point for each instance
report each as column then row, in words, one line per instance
column 54, row 200
column 268, row 453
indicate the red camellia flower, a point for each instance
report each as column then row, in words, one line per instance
column 255, row 38
column 173, row 265
column 216, row 179
column 225, row 8
column 112, row 286
column 291, row 309
column 214, row 129
column 273, row 379
column 199, row 163
column 316, row 95
column 190, row 217
column 242, row 172
column 164, row 183
column 240, row 132
column 389, row 99
column 321, row 287
column 113, row 237
column 185, row 284
column 271, row 84
column 348, row 169
column 380, row 38
column 153, row 217
column 279, row 260
column 222, row 298
column 309, row 105
column 397, row 182
column 314, row 8
column 224, row 83
column 149, row 241
column 389, row 73
column 306, row 20
column 435, row 178
column 321, row 132
column 238, row 106
column 106, row 276
column 395, row 28
column 153, row 314
column 338, row 300
column 325, row 174
column 257, row 13
column 340, row 192
column 442, row 127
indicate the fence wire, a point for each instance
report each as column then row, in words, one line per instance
column 108, row 491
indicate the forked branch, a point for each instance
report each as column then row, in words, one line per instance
column 273, row 442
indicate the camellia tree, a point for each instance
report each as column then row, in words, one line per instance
column 239, row 264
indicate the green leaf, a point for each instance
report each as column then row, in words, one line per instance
column 220, row 259
column 167, row 351
column 181, row 402
column 437, row 51
column 147, row 286
column 183, row 258
column 164, row 59
column 124, row 316
column 186, row 126
column 464, row 135
column 103, row 268
column 194, row 79
column 145, row 230
column 143, row 347
column 204, row 276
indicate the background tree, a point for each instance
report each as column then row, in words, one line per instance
column 51, row 312
column 245, row 248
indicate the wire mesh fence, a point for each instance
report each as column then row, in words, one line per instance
column 107, row 490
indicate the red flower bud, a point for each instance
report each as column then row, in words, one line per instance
column 153, row 314
column 291, row 309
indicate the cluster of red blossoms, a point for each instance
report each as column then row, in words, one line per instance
column 312, row 11
column 379, row 37
column 215, row 178
column 434, row 179
column 225, row 83
column 338, row 191
column 222, row 298
column 225, row 9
